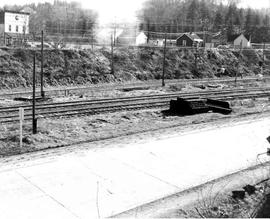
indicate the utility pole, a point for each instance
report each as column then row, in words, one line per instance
column 263, row 51
column 148, row 31
column 92, row 39
column 112, row 55
column 196, row 55
column 114, row 32
column 164, row 60
column 34, row 120
column 238, row 64
column 42, row 57
column 262, row 66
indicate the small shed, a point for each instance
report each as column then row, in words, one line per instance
column 239, row 40
column 189, row 40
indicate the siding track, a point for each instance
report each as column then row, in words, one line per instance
column 137, row 85
column 90, row 107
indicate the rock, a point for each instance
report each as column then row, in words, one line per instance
column 27, row 140
column 238, row 194
column 249, row 189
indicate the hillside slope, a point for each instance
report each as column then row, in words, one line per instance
column 68, row 67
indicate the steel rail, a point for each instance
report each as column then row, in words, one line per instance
column 125, row 99
column 128, row 105
column 106, row 87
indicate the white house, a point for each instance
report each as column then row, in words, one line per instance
column 141, row 39
column 14, row 27
column 130, row 37
column 240, row 41
column 104, row 35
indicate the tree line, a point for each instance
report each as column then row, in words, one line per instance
column 174, row 16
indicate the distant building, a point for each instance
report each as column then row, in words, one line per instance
column 189, row 40
column 14, row 27
column 160, row 40
column 131, row 37
column 106, row 35
column 207, row 39
column 141, row 39
column 239, row 40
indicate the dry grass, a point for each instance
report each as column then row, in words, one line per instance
column 69, row 131
column 222, row 205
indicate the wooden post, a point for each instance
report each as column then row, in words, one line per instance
column 112, row 55
column 164, row 60
column 21, row 117
column 238, row 64
column 114, row 34
column 263, row 57
column 148, row 31
column 92, row 40
column 34, row 121
column 41, row 76
column 196, row 56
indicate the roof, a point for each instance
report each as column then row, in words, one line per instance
column 233, row 37
column 28, row 10
column 217, row 35
column 130, row 33
column 15, row 12
column 192, row 36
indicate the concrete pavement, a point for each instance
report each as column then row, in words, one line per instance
column 100, row 182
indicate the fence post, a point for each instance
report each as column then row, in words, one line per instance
column 21, row 117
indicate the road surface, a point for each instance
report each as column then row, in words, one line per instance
column 93, row 182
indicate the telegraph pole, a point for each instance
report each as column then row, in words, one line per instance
column 148, row 31
column 112, row 55
column 238, row 64
column 263, row 51
column 41, row 75
column 34, row 120
column 164, row 60
column 114, row 32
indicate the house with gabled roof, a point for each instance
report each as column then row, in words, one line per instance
column 239, row 40
column 131, row 37
column 189, row 40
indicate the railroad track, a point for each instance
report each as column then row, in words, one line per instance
column 137, row 85
column 88, row 107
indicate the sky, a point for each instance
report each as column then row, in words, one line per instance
column 255, row 4
column 117, row 10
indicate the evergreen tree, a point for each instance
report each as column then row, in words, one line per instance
column 249, row 17
column 218, row 21
column 266, row 21
column 192, row 14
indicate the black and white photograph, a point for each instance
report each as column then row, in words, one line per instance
column 134, row 109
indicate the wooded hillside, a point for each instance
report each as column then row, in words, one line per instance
column 177, row 16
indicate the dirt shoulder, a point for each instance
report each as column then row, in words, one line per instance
column 213, row 199
column 148, row 124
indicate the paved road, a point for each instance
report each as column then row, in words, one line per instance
column 105, row 181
